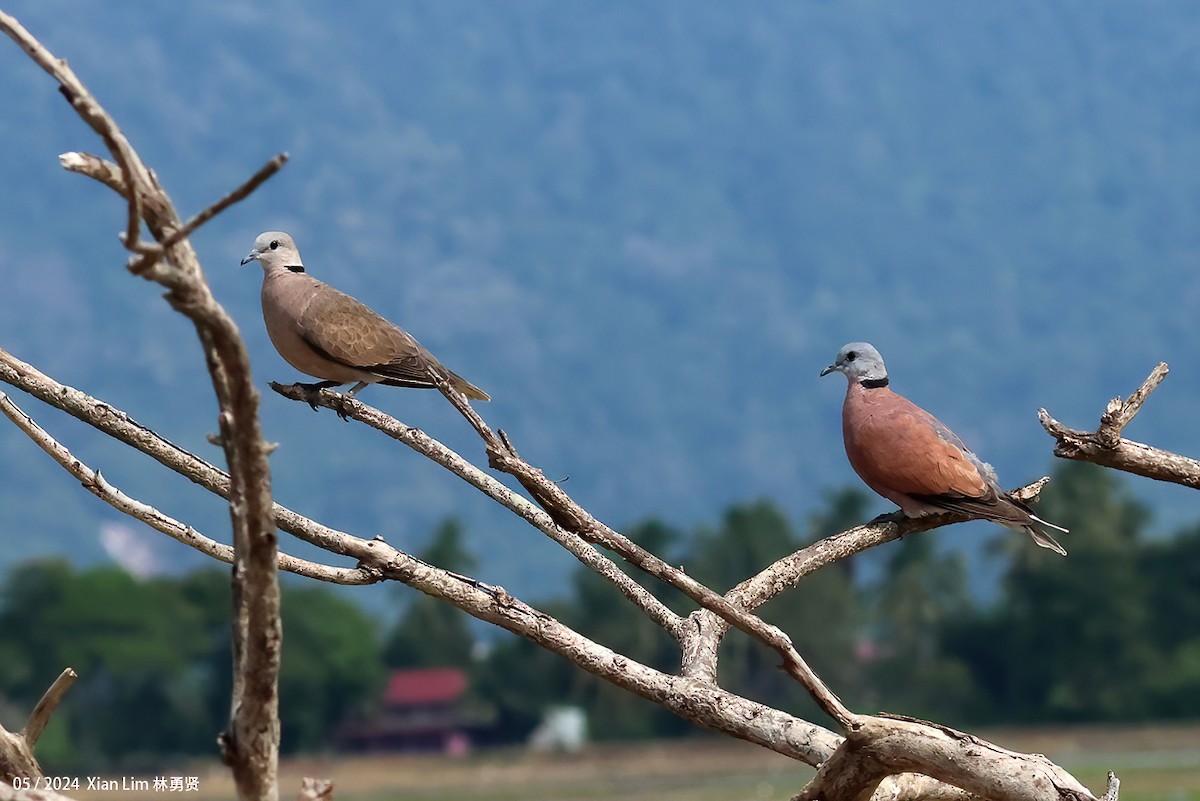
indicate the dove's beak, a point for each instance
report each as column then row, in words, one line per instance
column 824, row 372
column 251, row 256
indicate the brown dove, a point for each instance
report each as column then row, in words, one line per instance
column 908, row 456
column 329, row 335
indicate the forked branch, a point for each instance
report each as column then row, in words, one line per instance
column 1106, row 447
column 94, row 482
column 252, row 742
column 569, row 516
column 708, row 630
column 868, row 762
column 702, row 703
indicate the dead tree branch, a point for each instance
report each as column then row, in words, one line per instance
column 708, row 630
column 151, row 254
column 41, row 714
column 98, row 485
column 252, row 741
column 705, row 704
column 1106, row 447
column 16, row 758
column 119, row 425
column 878, row 755
column 892, row 778
column 880, row 747
column 426, row 445
column 16, row 750
column 572, row 517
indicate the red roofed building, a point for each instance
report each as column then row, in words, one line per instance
column 425, row 687
column 421, row 710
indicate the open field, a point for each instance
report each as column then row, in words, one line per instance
column 1154, row 763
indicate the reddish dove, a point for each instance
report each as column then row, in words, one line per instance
column 909, row 457
column 330, row 335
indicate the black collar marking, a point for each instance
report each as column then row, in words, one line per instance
column 296, row 268
column 874, row 383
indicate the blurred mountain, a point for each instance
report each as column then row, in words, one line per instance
column 643, row 228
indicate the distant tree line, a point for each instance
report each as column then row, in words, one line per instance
column 911, row 637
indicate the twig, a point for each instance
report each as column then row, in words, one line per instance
column 41, row 714
column 91, row 113
column 96, row 168
column 16, row 750
column 460, row 402
column 1113, row 791
column 1106, row 447
column 152, row 253
column 1119, row 413
column 98, row 485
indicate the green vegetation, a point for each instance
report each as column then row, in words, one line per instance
column 154, row 661
column 1104, row 635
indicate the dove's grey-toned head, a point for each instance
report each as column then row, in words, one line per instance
column 859, row 361
column 275, row 249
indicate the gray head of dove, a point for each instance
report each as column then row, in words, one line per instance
column 859, row 361
column 275, row 249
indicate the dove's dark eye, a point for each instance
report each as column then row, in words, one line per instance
column 274, row 244
column 851, row 356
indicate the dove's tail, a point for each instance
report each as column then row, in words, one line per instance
column 1037, row 530
column 467, row 388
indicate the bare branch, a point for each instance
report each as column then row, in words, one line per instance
column 97, row 169
column 1107, row 448
column 47, row 705
column 871, row 762
column 701, row 703
column 428, row 446
column 16, row 758
column 91, row 113
column 152, row 253
column 1113, row 791
column 16, row 750
column 98, row 485
column 889, row 746
column 1119, row 413
column 710, row 707
column 700, row 652
column 573, row 518
column 252, row 742
column 120, row 426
